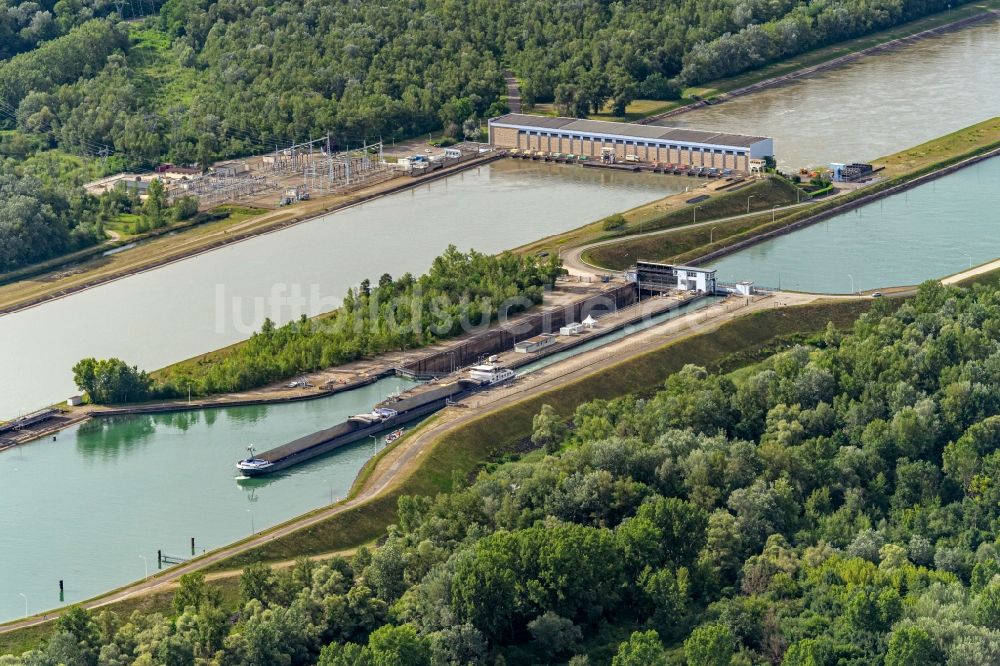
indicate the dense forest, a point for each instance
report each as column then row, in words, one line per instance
column 242, row 75
column 833, row 505
column 462, row 292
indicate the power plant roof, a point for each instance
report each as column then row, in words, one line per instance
column 628, row 130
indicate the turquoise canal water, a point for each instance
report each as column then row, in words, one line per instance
column 123, row 488
column 931, row 231
column 87, row 507
column 618, row 335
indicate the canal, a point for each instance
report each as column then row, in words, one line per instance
column 207, row 302
column 164, row 478
column 931, row 231
column 88, row 507
column 872, row 107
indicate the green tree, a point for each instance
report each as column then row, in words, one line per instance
column 911, row 646
column 554, row 635
column 192, row 592
column 709, row 645
column 612, row 222
column 398, row 646
column 643, row 648
column 155, row 208
column 111, row 381
column 258, row 582
column 547, row 429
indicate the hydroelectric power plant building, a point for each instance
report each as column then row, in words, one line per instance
column 648, row 143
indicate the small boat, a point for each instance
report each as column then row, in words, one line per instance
column 393, row 436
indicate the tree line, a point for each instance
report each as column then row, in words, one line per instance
column 259, row 74
column 834, row 504
column 462, row 291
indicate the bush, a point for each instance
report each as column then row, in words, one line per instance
column 616, row 221
column 185, row 208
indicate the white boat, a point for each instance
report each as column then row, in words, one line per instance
column 393, row 436
column 489, row 374
column 252, row 465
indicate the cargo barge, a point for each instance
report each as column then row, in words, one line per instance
column 388, row 414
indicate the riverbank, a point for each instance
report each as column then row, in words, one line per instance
column 826, row 58
column 903, row 170
column 177, row 246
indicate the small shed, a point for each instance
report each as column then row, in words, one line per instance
column 452, row 152
column 572, row 328
column 744, row 288
column 74, row 400
column 537, row 343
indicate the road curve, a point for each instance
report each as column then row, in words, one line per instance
column 574, row 263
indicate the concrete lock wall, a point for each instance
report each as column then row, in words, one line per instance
column 496, row 340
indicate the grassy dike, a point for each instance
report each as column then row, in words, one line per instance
column 465, row 448
column 673, row 212
column 901, row 169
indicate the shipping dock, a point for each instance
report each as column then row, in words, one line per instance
column 388, row 414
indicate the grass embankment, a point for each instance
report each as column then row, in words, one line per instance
column 492, row 436
column 670, row 212
column 22, row 640
column 644, row 108
column 901, row 168
column 762, row 196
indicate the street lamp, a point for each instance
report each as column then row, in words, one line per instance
column 970, row 258
column 25, row 597
column 748, row 201
column 711, row 234
column 253, row 530
column 695, row 209
column 772, row 212
column 852, row 282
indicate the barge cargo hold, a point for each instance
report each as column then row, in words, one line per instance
column 388, row 414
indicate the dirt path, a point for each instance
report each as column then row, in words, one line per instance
column 972, row 272
column 513, row 91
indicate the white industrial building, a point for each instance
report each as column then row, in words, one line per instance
column 653, row 276
column 630, row 141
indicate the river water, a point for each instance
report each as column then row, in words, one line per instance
column 207, row 302
column 874, row 106
column 940, row 228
